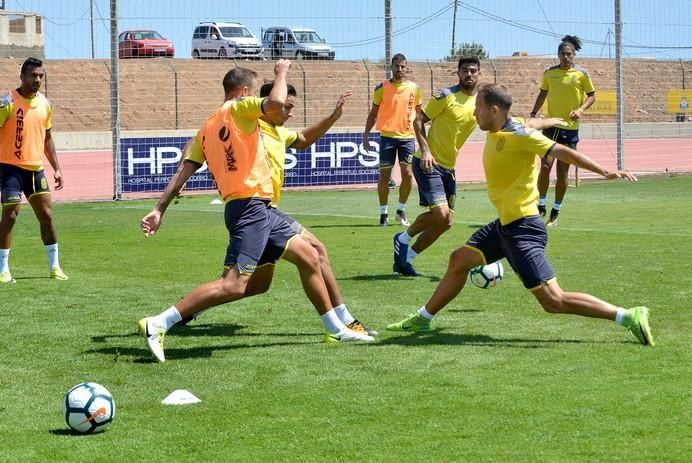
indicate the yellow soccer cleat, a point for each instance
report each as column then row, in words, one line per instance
column 58, row 274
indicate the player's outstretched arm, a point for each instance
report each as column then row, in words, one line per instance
column 152, row 221
column 313, row 133
column 568, row 155
column 540, row 123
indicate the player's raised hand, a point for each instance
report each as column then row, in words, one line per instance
column 282, row 66
column 339, row 110
column 151, row 223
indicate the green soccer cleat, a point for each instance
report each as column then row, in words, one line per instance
column 154, row 336
column 414, row 323
column 6, row 277
column 58, row 274
column 639, row 326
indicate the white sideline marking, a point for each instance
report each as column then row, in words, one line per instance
column 466, row 222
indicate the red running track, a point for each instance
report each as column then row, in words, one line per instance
column 88, row 175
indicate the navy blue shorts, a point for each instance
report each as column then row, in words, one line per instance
column 14, row 181
column 565, row 137
column 522, row 242
column 249, row 226
column 293, row 223
column 284, row 229
column 393, row 148
column 436, row 187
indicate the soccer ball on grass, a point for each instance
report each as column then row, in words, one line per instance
column 88, row 408
column 487, row 276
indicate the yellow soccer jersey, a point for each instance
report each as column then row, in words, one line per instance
column 567, row 90
column 510, row 164
column 451, row 113
column 276, row 140
column 397, row 108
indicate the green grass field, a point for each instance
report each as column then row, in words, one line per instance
column 498, row 380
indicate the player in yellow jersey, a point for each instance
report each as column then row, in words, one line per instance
column 277, row 139
column 519, row 235
column 396, row 102
column 26, row 120
column 230, row 143
column 570, row 92
column 451, row 113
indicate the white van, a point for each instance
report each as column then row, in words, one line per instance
column 225, row 40
column 295, row 43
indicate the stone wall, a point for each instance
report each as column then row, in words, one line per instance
column 170, row 94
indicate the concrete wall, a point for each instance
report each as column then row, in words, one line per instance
column 178, row 94
column 21, row 45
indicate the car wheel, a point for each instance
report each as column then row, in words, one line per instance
column 222, row 53
column 299, row 55
column 195, row 54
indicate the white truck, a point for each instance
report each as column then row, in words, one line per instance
column 295, row 43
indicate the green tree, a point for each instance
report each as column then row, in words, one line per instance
column 468, row 49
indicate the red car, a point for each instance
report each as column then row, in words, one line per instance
column 143, row 44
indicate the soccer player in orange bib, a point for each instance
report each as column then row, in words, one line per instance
column 230, row 143
column 26, row 119
column 394, row 107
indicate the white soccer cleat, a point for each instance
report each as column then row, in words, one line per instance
column 401, row 218
column 154, row 336
column 347, row 335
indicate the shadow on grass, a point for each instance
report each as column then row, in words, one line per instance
column 192, row 329
column 68, row 432
column 143, row 355
column 439, row 337
column 463, row 310
column 344, row 227
column 46, row 277
column 388, row 277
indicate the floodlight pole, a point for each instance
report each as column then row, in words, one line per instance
column 619, row 87
column 388, row 39
column 454, row 28
column 115, row 104
column 91, row 26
